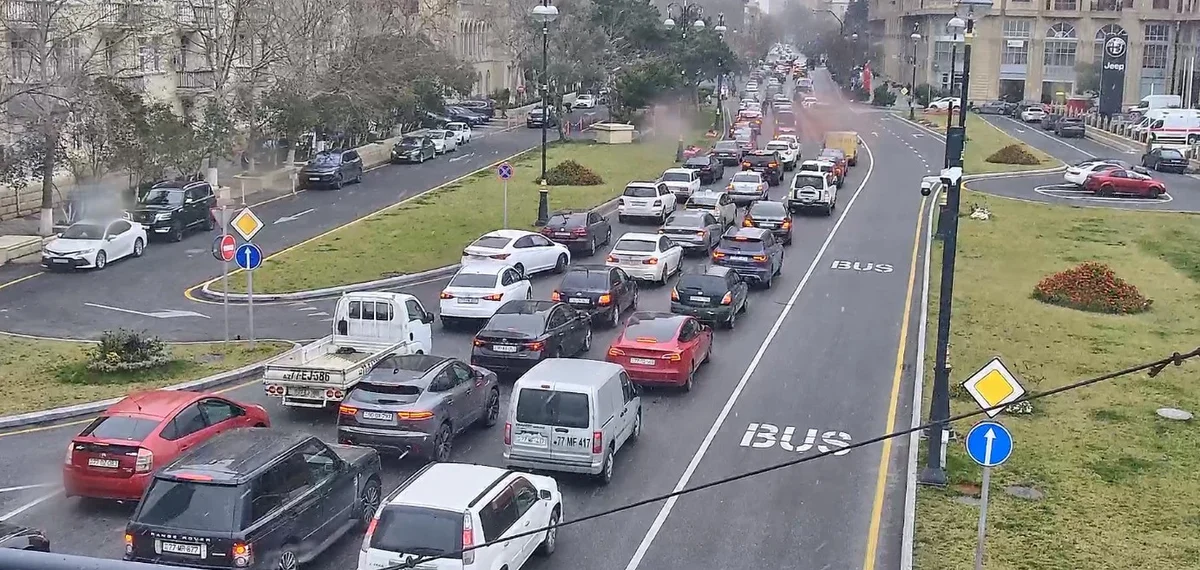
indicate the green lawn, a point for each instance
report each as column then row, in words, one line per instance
column 1122, row 486
column 983, row 140
column 44, row 374
column 431, row 230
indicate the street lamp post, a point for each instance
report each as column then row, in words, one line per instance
column 912, row 86
column 719, row 122
column 955, row 26
column 544, row 13
column 934, row 472
column 687, row 13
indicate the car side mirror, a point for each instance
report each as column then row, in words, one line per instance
column 109, row 238
column 544, row 494
column 427, row 318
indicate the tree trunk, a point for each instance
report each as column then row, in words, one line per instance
column 46, row 224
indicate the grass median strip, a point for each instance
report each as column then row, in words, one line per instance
column 1119, row 485
column 44, row 374
column 984, row 140
column 431, row 230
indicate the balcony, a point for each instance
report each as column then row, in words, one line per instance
column 927, row 7
column 195, row 16
column 27, row 12
column 1105, row 9
column 194, row 81
column 118, row 15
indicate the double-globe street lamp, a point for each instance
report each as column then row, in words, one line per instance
column 687, row 12
column 544, row 13
column 719, row 122
column 912, row 86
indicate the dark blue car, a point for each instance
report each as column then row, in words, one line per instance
column 753, row 252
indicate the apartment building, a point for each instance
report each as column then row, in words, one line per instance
column 1032, row 49
column 479, row 42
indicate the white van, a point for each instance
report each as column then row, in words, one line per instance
column 1177, row 127
column 1148, row 119
column 1152, row 102
column 571, row 415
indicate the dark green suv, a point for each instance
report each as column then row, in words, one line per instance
column 170, row 209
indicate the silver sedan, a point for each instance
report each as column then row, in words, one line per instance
column 694, row 230
column 747, row 186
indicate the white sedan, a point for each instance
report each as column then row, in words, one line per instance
column 1033, row 115
column 527, row 252
column 91, row 244
column 585, row 101
column 650, row 257
column 1078, row 173
column 478, row 290
column 945, row 103
column 443, row 141
column 462, row 132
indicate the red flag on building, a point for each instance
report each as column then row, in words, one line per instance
column 866, row 77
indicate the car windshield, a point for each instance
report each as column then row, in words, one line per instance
column 808, row 180
column 1171, row 153
column 785, row 118
column 707, row 283
column 743, row 134
column 686, row 220
column 702, row 202
column 553, row 408
column 410, row 141
column 492, row 242
column 746, row 177
column 726, row 145
column 677, row 177
column 327, row 159
column 1071, row 121
column 637, row 245
column 437, row 134
column 83, row 231
column 457, row 126
column 189, row 505
column 640, row 192
column 740, row 244
column 585, row 279
column 778, row 146
column 382, row 393
column 767, row 210
column 699, row 161
column 163, row 197
column 661, row 329
column 474, row 280
column 418, row 530
column 120, row 427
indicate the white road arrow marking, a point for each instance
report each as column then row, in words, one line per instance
column 918, row 135
column 989, row 438
column 1020, row 130
column 167, row 314
column 458, row 158
column 293, row 217
column 874, row 133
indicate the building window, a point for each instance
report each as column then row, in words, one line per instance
column 1154, row 57
column 1158, row 33
column 1062, row 5
column 1015, row 49
column 1061, row 44
column 943, row 53
column 1102, row 35
column 1018, row 28
column 1161, row 5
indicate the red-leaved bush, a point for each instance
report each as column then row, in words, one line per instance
column 1091, row 287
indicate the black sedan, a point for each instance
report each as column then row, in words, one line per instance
column 1165, row 160
column 1070, row 127
column 773, row 216
column 729, row 153
column 524, row 333
column 711, row 168
column 582, row 231
column 23, row 538
column 712, row 294
column 538, row 117
column 601, row 291
column 464, row 115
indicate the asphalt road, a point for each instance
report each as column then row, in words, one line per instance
column 1183, row 190
column 86, row 303
column 828, row 352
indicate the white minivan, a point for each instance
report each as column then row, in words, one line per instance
column 1152, row 102
column 571, row 415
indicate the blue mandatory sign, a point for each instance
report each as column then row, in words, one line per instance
column 989, row 443
column 504, row 171
column 248, row 256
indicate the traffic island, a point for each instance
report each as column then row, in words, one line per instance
column 1039, row 286
column 47, row 374
column 982, row 153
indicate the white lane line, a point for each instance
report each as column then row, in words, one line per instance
column 29, row 505
column 665, row 511
column 25, row 487
column 1057, row 140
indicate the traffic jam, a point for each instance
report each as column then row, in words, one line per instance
column 211, row 484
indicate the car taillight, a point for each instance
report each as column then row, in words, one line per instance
column 128, row 543
column 597, row 442
column 423, row 415
column 610, row 259
column 657, row 203
column 727, row 299
column 493, row 297
column 478, row 342
column 468, row 539
column 651, row 261
column 745, row 165
column 620, row 201
column 672, row 356
column 145, row 460
column 579, row 231
column 547, row 231
column 370, row 532
column 606, row 299
column 787, row 224
column 772, row 164
column 347, row 410
column 500, row 256
column 718, row 255
column 760, row 258
column 535, row 346
column 507, row 433
column 747, row 222
column 243, row 554
column 446, row 295
column 70, row 453
column 555, row 296
column 729, row 187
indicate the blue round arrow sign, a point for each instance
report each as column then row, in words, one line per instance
column 248, row 256
column 989, row 443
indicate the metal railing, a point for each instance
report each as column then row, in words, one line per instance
column 195, row 79
column 27, row 11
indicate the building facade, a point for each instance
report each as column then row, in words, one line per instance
column 1041, row 50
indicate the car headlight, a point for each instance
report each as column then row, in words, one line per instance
column 162, row 217
column 86, row 252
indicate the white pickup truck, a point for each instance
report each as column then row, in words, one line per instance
column 367, row 327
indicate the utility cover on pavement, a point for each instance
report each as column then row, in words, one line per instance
column 994, row 385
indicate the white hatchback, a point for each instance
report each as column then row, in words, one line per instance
column 443, row 140
column 527, row 252
column 462, row 132
column 448, row 507
column 650, row 257
column 478, row 290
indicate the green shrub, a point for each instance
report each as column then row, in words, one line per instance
column 1092, row 287
column 1013, row 154
column 883, row 97
column 124, row 351
column 571, row 173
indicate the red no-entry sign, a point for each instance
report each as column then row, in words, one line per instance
column 224, row 247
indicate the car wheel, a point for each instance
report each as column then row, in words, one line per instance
column 448, row 322
column 177, row 231
column 637, row 426
column 1106, row 190
column 101, row 260
column 587, row 341
column 288, row 559
column 591, row 250
column 443, row 443
column 662, row 277
column 209, row 222
column 1155, row 192
column 768, row 282
column 338, row 182
column 608, row 236
column 615, row 320
column 551, row 541
column 370, row 498
column 421, row 160
column 561, row 265
column 138, row 247
column 731, row 322
column 520, row 269
column 492, row 414
column 691, row 379
column 606, row 471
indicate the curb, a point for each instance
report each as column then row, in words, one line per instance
column 91, row 408
column 436, row 273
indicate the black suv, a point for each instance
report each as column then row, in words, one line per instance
column 712, row 294
column 172, row 208
column 579, row 231
column 331, row 169
column 536, row 117
column 767, row 162
column 254, row 498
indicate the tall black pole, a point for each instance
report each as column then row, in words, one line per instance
column 950, row 109
column 543, row 191
column 934, row 472
column 912, row 86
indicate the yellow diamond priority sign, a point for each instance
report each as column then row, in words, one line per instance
column 994, row 385
column 247, row 224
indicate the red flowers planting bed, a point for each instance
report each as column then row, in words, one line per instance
column 1091, row 287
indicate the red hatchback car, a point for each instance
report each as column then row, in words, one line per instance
column 1121, row 181
column 662, row 348
column 114, row 457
